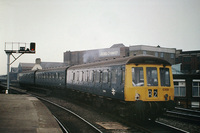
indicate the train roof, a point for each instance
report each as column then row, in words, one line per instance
column 47, row 69
column 140, row 59
column 53, row 69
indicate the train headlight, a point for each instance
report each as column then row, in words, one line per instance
column 137, row 96
column 166, row 96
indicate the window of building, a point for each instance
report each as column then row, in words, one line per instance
column 172, row 56
column 196, row 88
column 144, row 52
column 195, row 104
column 187, row 59
column 156, row 54
column 179, row 88
column 162, row 55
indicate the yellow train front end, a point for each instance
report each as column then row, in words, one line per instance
column 150, row 87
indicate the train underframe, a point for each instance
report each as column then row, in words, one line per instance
column 138, row 110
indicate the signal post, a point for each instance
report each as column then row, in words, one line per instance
column 17, row 47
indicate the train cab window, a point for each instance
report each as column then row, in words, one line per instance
column 164, row 77
column 137, row 76
column 152, row 76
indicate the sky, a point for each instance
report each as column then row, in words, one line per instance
column 57, row 26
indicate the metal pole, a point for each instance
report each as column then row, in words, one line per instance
column 8, row 75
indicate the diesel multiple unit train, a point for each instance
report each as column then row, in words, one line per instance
column 143, row 83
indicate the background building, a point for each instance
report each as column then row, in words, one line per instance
column 165, row 53
column 81, row 57
column 190, row 61
column 117, row 51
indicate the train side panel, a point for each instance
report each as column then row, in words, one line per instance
column 27, row 78
column 50, row 78
column 104, row 81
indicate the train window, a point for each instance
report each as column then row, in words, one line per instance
column 114, row 76
column 58, row 75
column 105, row 77
column 122, row 75
column 109, row 76
column 152, row 76
column 137, row 76
column 91, row 76
column 73, row 76
column 97, row 76
column 81, row 76
column 86, row 76
column 164, row 77
column 77, row 76
column 62, row 75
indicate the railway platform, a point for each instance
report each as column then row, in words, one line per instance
column 25, row 114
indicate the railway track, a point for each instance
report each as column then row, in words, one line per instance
column 102, row 125
column 184, row 115
column 70, row 119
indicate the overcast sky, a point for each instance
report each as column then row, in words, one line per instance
column 62, row 25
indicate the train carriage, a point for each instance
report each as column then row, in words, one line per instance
column 143, row 83
column 26, row 78
column 52, row 78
